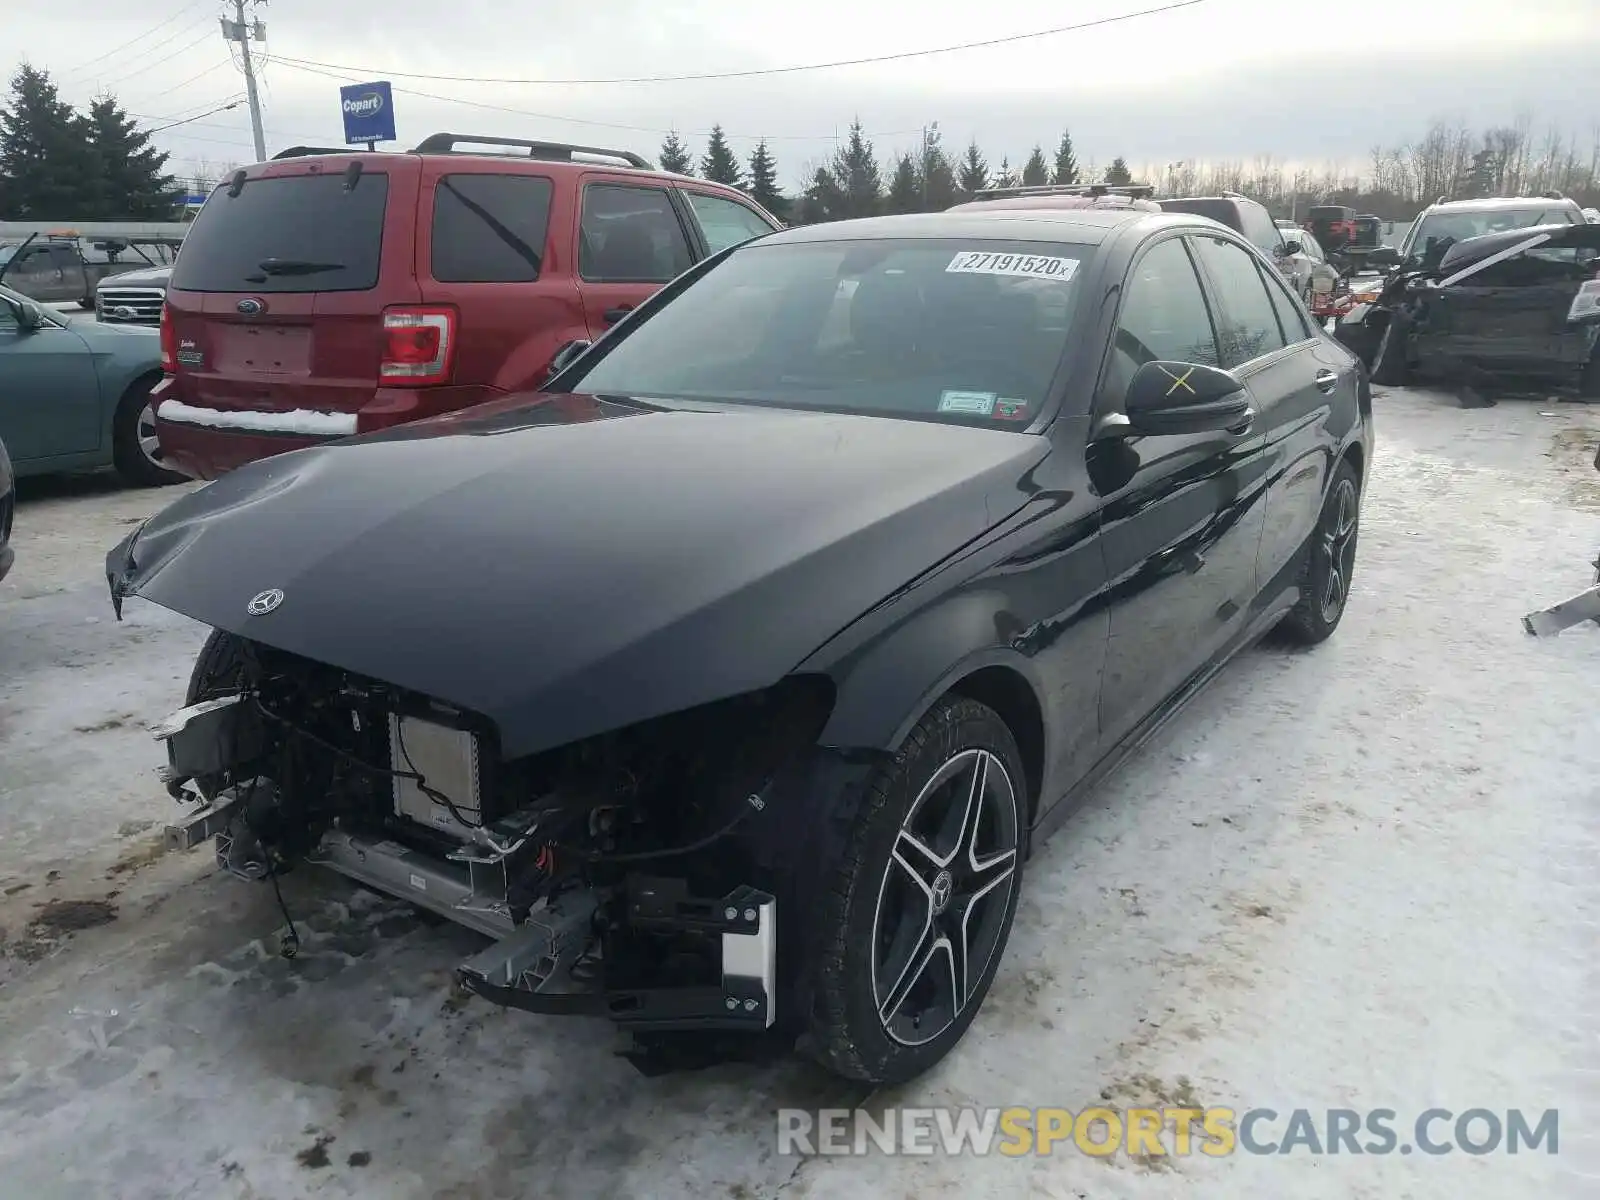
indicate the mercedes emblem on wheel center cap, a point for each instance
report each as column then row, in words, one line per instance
column 943, row 885
column 264, row 602
column 250, row 306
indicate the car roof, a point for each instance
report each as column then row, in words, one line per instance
column 1083, row 226
column 1491, row 203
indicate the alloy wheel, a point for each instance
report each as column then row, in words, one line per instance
column 945, row 897
column 1339, row 548
column 145, row 434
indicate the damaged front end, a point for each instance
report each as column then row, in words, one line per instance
column 640, row 875
column 1519, row 305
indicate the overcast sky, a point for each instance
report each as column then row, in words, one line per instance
column 1306, row 81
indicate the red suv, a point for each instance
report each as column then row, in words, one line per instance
column 330, row 292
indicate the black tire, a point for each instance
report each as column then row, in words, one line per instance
column 876, row 905
column 1389, row 367
column 217, row 670
column 133, row 461
column 1328, row 563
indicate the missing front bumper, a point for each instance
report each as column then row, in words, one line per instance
column 525, row 970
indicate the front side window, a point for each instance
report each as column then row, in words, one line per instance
column 630, row 235
column 1163, row 318
column 1247, row 326
column 725, row 222
column 936, row 329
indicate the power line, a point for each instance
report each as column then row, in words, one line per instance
column 144, row 67
column 196, row 117
column 306, row 63
column 121, row 47
column 192, row 79
column 521, row 112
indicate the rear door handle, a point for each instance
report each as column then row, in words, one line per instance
column 1326, row 380
column 613, row 315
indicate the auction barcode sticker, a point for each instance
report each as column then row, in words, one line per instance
column 1025, row 266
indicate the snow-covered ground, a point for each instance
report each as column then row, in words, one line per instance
column 1358, row 877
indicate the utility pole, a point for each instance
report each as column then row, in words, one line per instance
column 238, row 31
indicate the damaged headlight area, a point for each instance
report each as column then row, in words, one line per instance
column 616, row 874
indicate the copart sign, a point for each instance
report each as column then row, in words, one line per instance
column 368, row 112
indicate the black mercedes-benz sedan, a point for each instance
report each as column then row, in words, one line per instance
column 726, row 682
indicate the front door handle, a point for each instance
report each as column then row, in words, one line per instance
column 1326, row 380
column 613, row 315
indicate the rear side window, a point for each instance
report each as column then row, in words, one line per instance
column 489, row 228
column 630, row 235
column 1247, row 326
column 293, row 233
column 1292, row 315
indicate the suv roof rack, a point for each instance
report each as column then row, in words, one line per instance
column 1139, row 191
column 303, row 151
column 1552, row 195
column 446, row 143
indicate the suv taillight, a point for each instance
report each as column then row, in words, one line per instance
column 169, row 342
column 418, row 344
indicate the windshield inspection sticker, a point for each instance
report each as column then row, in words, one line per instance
column 1010, row 410
column 1587, row 302
column 978, row 403
column 1024, row 266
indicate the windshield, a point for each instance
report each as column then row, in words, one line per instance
column 1459, row 226
column 954, row 330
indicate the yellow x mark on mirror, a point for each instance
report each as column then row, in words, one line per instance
column 1180, row 381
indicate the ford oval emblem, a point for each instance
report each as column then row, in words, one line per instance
column 250, row 307
column 264, row 602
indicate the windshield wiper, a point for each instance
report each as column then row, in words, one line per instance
column 296, row 266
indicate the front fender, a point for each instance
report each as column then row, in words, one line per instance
column 885, row 687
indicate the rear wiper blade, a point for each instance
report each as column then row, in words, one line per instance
column 296, row 266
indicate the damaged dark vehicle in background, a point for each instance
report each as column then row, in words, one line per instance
column 1521, row 306
column 727, row 681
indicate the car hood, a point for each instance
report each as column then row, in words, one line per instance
column 566, row 565
column 143, row 277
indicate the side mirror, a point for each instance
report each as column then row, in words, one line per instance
column 1384, row 256
column 567, row 355
column 1179, row 397
column 1292, row 246
column 29, row 316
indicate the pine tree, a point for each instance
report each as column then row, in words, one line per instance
column 44, row 154
column 905, row 187
column 133, row 181
column 763, row 181
column 1066, row 162
column 974, row 170
column 675, row 155
column 1007, row 178
column 1117, row 173
column 1035, row 172
column 855, row 170
column 823, row 201
column 719, row 165
column 939, row 188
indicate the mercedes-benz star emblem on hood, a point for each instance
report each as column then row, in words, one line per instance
column 264, row 602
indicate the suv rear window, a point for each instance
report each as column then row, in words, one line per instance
column 489, row 228
column 313, row 233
